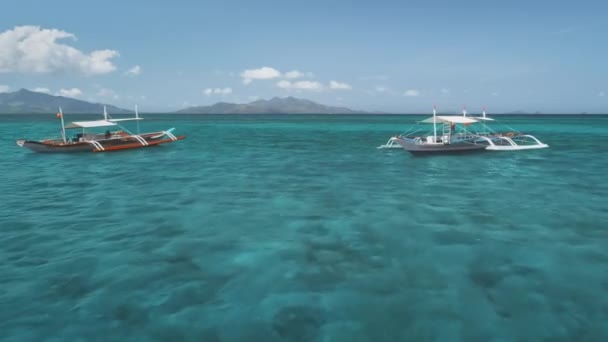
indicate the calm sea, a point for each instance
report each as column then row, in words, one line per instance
column 296, row 228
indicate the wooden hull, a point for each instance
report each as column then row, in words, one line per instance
column 109, row 145
column 133, row 145
column 41, row 147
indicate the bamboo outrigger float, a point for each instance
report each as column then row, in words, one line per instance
column 511, row 140
column 85, row 141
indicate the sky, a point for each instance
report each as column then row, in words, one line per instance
column 391, row 56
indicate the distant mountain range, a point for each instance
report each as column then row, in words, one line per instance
column 26, row 101
column 276, row 105
column 30, row 102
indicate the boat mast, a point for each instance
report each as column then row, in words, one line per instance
column 60, row 114
column 137, row 119
column 484, row 112
column 434, row 125
column 464, row 110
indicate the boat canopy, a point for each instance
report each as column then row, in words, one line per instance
column 451, row 119
column 90, row 124
column 125, row 119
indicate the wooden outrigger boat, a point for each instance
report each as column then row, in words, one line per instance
column 111, row 140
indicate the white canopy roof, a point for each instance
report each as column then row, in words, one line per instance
column 90, row 124
column 126, row 119
column 451, row 119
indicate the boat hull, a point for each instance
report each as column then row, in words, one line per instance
column 41, row 147
column 420, row 149
column 134, row 145
column 109, row 145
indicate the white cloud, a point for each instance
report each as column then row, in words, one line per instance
column 134, row 71
column 312, row 85
column 339, row 86
column 42, row 90
column 217, row 91
column 294, row 74
column 103, row 92
column 297, row 74
column 601, row 93
column 380, row 89
column 300, row 85
column 284, row 84
column 267, row 73
column 4, row 88
column 412, row 92
column 494, row 94
column 73, row 92
column 263, row 73
column 30, row 49
column 253, row 98
column 445, row 91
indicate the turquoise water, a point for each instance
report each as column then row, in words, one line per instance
column 296, row 228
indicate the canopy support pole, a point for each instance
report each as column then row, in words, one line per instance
column 62, row 126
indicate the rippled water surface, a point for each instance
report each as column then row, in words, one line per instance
column 296, row 228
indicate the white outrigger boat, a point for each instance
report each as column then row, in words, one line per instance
column 87, row 141
column 453, row 137
column 460, row 134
